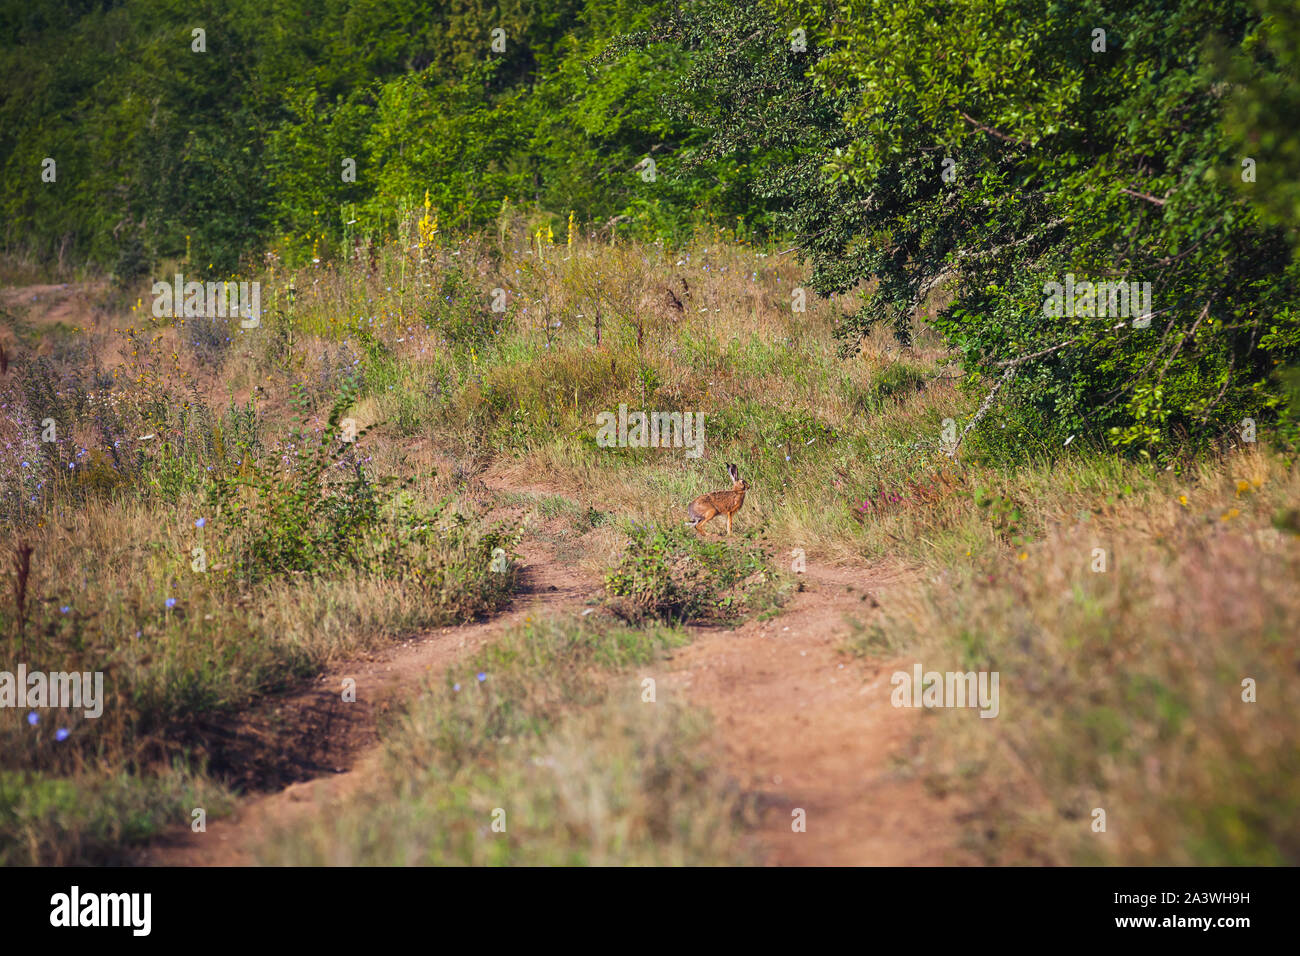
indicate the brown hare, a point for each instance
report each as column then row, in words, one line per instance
column 715, row 503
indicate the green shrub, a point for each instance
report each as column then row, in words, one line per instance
column 675, row 575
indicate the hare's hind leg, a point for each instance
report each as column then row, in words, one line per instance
column 728, row 525
column 699, row 528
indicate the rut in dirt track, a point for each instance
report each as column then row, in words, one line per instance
column 806, row 727
column 798, row 723
column 331, row 743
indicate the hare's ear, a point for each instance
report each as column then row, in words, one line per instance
column 733, row 472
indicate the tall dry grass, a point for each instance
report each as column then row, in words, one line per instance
column 1119, row 685
column 1145, row 640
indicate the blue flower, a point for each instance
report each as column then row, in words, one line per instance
column 33, row 718
column 481, row 677
column 61, row 734
column 455, row 687
column 171, row 602
column 201, row 522
column 65, row 609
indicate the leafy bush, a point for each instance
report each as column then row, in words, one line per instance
column 675, row 575
column 296, row 519
column 987, row 160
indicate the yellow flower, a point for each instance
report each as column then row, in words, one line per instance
column 1230, row 514
column 1182, row 500
column 1024, row 556
column 1242, row 486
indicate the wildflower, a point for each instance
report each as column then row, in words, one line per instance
column 170, row 602
column 1242, row 486
column 65, row 609
column 1182, row 500
column 61, row 734
column 33, row 718
column 1229, row 515
column 200, row 522
column 481, row 677
column 456, row 687
column 1023, row 556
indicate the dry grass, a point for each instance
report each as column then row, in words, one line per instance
column 544, row 734
column 1122, row 688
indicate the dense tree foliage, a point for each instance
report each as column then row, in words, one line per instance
column 1098, row 200
column 244, row 143
column 1003, row 155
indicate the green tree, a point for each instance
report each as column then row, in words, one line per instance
column 991, row 149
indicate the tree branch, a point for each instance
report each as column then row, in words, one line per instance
column 1190, row 332
column 983, row 409
column 1147, row 196
column 1013, row 363
column 993, row 132
column 951, row 269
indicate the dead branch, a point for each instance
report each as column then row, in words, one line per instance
column 983, row 409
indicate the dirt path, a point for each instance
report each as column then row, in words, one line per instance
column 808, row 727
column 70, row 303
column 349, row 743
column 800, row 724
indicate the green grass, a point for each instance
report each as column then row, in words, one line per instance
column 557, row 742
column 1117, row 684
column 1122, row 681
column 675, row 575
column 92, row 818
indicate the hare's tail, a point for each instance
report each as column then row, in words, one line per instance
column 693, row 517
